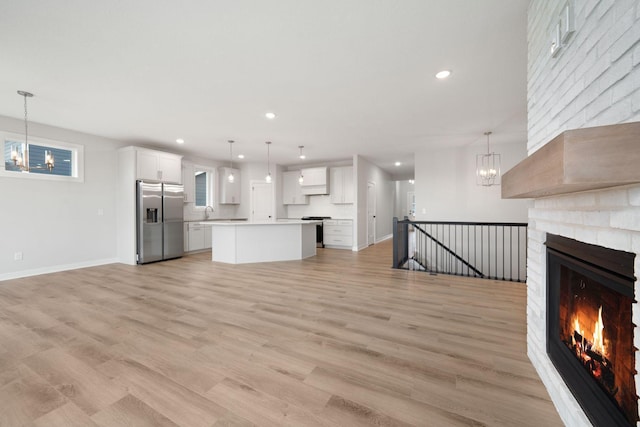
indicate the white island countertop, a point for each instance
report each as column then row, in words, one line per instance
column 278, row 222
column 239, row 242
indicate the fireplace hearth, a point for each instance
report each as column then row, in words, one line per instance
column 590, row 295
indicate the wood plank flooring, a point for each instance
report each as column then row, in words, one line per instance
column 340, row 339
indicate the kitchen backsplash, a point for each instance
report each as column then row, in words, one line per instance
column 321, row 206
column 220, row 211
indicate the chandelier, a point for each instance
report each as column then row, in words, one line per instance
column 20, row 152
column 488, row 167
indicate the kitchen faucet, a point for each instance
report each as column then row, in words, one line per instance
column 206, row 212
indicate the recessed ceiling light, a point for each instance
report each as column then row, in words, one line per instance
column 443, row 74
column 180, row 141
column 397, row 163
column 241, row 156
column 270, row 115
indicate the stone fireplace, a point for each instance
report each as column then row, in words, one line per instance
column 585, row 188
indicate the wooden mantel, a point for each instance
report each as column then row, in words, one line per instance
column 578, row 160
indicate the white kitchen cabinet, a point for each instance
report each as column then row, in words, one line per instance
column 196, row 237
column 229, row 191
column 158, row 166
column 338, row 233
column 291, row 189
column 342, row 189
column 316, row 181
column 207, row 236
column 188, row 182
column 199, row 237
column 185, row 233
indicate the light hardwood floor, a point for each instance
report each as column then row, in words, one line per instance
column 340, row 339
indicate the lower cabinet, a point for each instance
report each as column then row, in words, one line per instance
column 338, row 233
column 199, row 237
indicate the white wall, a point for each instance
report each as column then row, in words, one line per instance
column 401, row 204
column 594, row 81
column 56, row 224
column 446, row 190
column 385, row 195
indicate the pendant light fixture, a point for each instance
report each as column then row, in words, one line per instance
column 231, row 178
column 20, row 152
column 302, row 157
column 488, row 167
column 268, row 177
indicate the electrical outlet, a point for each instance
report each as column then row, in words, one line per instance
column 17, row 256
column 424, row 210
column 100, row 212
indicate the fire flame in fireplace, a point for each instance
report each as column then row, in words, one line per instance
column 596, row 343
column 598, row 335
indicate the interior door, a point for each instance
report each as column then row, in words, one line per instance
column 261, row 201
column 371, row 213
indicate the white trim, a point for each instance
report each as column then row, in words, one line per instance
column 56, row 268
column 77, row 158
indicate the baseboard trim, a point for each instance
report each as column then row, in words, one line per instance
column 56, row 268
column 383, row 238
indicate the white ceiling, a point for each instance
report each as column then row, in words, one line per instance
column 344, row 77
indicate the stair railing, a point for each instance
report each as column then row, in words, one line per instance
column 476, row 249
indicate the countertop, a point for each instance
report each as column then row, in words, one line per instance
column 278, row 222
column 208, row 221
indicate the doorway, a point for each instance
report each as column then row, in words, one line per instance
column 261, row 201
column 411, row 205
column 371, row 213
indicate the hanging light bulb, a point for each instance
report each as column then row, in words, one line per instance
column 231, row 178
column 488, row 167
column 302, row 156
column 268, row 177
column 301, row 178
column 49, row 161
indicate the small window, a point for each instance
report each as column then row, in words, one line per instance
column 204, row 188
column 41, row 159
column 201, row 188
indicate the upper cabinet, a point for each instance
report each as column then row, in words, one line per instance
column 229, row 191
column 342, row 185
column 188, row 182
column 292, row 190
column 315, row 181
column 158, row 166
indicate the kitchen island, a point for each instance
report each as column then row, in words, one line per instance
column 245, row 242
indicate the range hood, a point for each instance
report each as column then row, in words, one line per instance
column 316, row 181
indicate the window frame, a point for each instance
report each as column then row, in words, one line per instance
column 77, row 158
column 211, row 182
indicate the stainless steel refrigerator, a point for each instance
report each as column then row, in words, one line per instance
column 159, row 215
